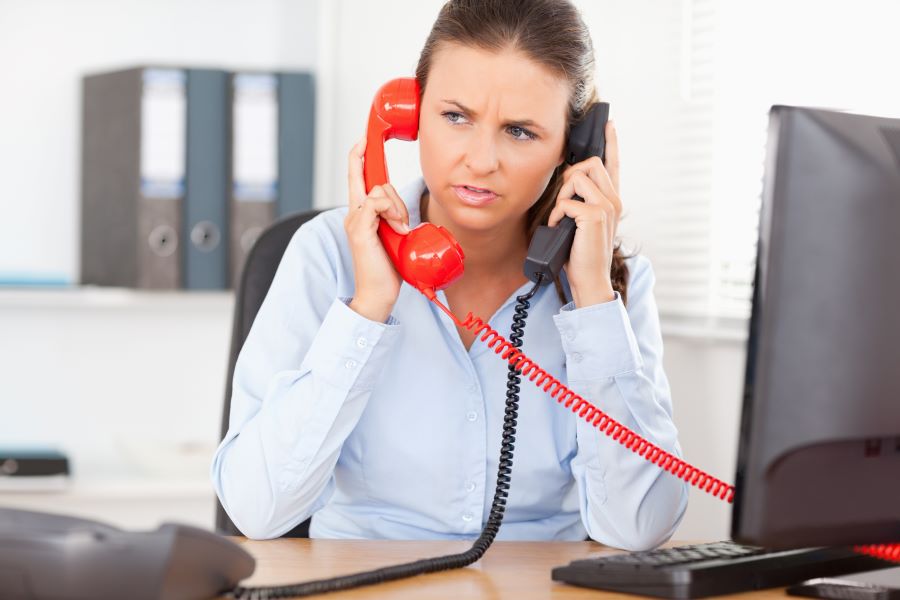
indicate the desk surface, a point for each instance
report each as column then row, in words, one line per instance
column 518, row 570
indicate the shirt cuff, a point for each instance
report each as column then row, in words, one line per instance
column 349, row 348
column 598, row 340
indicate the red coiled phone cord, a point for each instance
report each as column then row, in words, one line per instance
column 882, row 551
column 612, row 428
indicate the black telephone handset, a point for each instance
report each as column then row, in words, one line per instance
column 550, row 246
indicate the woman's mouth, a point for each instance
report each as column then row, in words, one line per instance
column 474, row 196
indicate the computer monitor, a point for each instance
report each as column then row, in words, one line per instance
column 819, row 453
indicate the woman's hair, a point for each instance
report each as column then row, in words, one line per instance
column 551, row 33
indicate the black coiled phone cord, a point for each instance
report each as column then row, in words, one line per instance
column 441, row 563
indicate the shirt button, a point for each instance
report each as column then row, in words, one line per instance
column 467, row 517
column 362, row 342
column 350, row 364
column 472, row 415
column 576, row 357
column 470, row 487
column 473, row 388
column 570, row 335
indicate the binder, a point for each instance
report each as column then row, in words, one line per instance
column 273, row 120
column 32, row 462
column 254, row 162
column 296, row 134
column 133, row 150
column 205, row 256
column 33, row 469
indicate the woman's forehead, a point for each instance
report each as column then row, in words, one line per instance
column 507, row 82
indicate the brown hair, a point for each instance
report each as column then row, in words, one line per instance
column 550, row 32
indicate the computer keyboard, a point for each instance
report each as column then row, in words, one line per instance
column 711, row 569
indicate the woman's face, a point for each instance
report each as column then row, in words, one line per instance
column 493, row 121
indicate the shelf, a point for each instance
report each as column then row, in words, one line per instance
column 145, row 488
column 105, row 298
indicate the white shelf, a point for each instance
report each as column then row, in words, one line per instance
column 105, row 298
column 121, row 489
column 133, row 504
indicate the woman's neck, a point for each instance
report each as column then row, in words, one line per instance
column 497, row 252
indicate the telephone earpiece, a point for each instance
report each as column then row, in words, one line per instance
column 549, row 247
column 428, row 257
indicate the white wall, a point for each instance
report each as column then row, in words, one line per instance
column 129, row 385
column 46, row 46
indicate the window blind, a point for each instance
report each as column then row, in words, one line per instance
column 736, row 61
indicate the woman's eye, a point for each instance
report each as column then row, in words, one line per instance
column 517, row 132
column 453, row 117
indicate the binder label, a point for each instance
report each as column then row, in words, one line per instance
column 163, row 133
column 255, row 137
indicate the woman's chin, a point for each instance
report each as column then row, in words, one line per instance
column 475, row 219
column 458, row 215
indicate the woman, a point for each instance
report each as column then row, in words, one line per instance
column 357, row 402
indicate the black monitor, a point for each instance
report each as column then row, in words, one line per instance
column 819, row 453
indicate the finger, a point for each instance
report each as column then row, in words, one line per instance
column 398, row 202
column 582, row 185
column 594, row 168
column 605, row 193
column 355, row 181
column 566, row 207
column 612, row 154
column 382, row 206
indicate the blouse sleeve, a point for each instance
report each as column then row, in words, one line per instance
column 301, row 382
column 614, row 360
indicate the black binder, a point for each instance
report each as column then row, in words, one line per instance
column 32, row 463
column 132, row 183
column 204, row 240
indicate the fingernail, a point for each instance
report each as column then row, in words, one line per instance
column 612, row 123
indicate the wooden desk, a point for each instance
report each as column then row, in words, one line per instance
column 519, row 570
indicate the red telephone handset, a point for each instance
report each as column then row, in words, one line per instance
column 428, row 258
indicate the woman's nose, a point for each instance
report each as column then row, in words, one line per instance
column 481, row 155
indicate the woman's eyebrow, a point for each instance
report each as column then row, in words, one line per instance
column 515, row 123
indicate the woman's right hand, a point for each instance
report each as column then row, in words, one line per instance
column 377, row 281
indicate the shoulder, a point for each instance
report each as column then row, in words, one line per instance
column 640, row 270
column 641, row 280
column 321, row 243
column 321, row 236
column 327, row 228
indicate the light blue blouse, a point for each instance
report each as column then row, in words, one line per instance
column 393, row 430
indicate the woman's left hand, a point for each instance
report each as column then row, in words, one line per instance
column 590, row 260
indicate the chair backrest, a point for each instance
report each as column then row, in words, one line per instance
column 256, row 278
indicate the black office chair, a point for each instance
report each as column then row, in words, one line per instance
column 259, row 270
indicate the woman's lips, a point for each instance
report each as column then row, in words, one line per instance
column 472, row 197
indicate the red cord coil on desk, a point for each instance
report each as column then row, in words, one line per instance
column 882, row 551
